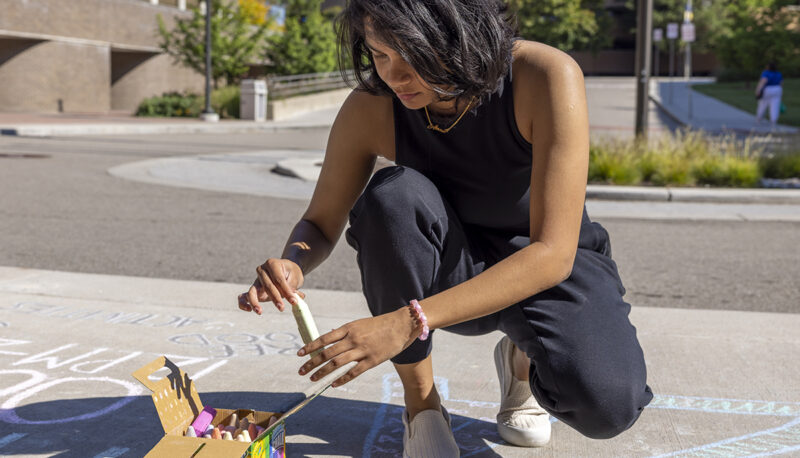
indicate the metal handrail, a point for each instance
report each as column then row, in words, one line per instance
column 285, row 86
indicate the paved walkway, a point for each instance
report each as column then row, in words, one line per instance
column 725, row 382
column 691, row 108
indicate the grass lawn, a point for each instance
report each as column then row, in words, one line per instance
column 742, row 97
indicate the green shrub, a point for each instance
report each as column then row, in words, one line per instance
column 671, row 170
column 726, row 171
column 225, row 101
column 781, row 166
column 171, row 104
column 609, row 165
column 684, row 159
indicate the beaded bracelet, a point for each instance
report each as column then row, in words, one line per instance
column 423, row 320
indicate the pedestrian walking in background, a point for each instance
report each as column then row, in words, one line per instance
column 769, row 92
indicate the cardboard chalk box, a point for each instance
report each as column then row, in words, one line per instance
column 178, row 404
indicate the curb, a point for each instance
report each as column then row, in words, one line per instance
column 696, row 195
column 308, row 169
column 657, row 100
column 304, row 169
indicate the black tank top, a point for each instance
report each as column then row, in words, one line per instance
column 482, row 167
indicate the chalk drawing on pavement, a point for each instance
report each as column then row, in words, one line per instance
column 385, row 435
column 8, row 412
column 28, row 383
column 151, row 320
column 231, row 345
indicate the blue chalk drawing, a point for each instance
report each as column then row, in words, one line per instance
column 774, row 441
column 385, row 435
column 113, row 452
column 13, row 437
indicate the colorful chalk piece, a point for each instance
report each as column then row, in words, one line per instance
column 204, row 419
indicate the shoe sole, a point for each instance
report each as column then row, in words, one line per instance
column 522, row 438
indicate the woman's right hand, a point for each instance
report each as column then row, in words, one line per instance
column 277, row 279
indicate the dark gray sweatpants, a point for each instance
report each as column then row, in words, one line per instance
column 587, row 367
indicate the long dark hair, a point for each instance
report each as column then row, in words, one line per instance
column 465, row 44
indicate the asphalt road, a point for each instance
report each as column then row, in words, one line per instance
column 65, row 212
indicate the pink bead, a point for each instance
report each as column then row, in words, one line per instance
column 422, row 318
column 424, row 335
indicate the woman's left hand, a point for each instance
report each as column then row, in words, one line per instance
column 370, row 341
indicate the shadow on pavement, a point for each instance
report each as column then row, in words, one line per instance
column 337, row 426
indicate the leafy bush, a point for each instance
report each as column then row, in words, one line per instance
column 225, row 101
column 171, row 104
column 685, row 159
column 612, row 166
column 726, row 171
column 781, row 166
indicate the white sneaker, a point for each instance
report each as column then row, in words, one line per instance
column 521, row 420
column 429, row 435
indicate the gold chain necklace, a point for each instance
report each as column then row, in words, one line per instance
column 432, row 126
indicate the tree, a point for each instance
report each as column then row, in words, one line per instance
column 254, row 11
column 235, row 40
column 709, row 19
column 757, row 32
column 308, row 43
column 744, row 34
column 570, row 25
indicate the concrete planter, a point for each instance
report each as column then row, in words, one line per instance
column 279, row 110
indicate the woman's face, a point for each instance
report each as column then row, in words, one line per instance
column 401, row 78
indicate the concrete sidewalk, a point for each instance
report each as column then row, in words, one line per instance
column 725, row 382
column 699, row 111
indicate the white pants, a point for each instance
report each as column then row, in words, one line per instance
column 772, row 99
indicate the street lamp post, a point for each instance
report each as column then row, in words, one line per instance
column 644, row 26
column 208, row 113
column 688, row 17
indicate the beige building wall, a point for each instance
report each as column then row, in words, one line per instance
column 44, row 73
column 93, row 55
column 146, row 75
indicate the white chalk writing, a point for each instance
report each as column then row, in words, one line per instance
column 241, row 344
column 152, row 320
